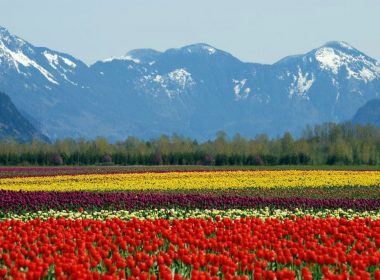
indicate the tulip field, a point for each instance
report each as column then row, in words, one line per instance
column 108, row 223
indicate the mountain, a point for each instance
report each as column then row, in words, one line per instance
column 194, row 91
column 13, row 125
column 368, row 114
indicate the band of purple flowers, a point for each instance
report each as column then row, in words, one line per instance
column 34, row 201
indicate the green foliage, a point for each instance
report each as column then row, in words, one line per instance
column 332, row 144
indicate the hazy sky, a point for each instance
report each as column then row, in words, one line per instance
column 257, row 31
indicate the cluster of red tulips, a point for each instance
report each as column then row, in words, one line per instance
column 303, row 248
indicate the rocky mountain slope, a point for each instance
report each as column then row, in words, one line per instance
column 13, row 126
column 368, row 114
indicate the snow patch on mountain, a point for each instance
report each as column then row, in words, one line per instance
column 239, row 90
column 210, row 50
column 125, row 57
column 367, row 74
column 357, row 66
column 69, row 62
column 158, row 79
column 20, row 58
column 52, row 58
column 328, row 59
column 198, row 48
column 67, row 79
column 301, row 84
column 181, row 77
column 172, row 84
column 54, row 63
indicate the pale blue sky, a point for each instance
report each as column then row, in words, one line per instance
column 256, row 31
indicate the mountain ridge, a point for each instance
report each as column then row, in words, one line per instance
column 195, row 90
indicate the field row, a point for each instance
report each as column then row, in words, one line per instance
column 194, row 180
column 33, row 171
column 178, row 213
column 192, row 248
column 11, row 201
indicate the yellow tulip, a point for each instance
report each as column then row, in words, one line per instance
column 194, row 180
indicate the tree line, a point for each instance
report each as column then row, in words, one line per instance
column 329, row 143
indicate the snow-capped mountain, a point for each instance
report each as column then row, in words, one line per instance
column 45, row 85
column 195, row 91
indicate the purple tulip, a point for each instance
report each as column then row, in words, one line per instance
column 34, row 201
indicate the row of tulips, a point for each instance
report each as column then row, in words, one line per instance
column 41, row 171
column 33, row 201
column 316, row 192
column 247, row 248
column 176, row 214
column 29, row 171
column 194, row 180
